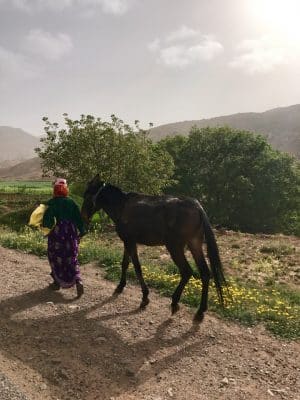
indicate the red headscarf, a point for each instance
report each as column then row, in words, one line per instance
column 60, row 188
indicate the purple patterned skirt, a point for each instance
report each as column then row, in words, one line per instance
column 63, row 242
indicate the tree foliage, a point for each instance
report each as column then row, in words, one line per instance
column 242, row 182
column 122, row 155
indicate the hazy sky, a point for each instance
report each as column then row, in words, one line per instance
column 154, row 60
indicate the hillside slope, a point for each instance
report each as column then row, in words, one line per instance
column 28, row 170
column 16, row 144
column 281, row 126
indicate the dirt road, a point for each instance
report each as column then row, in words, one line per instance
column 52, row 347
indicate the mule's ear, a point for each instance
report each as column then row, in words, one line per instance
column 96, row 179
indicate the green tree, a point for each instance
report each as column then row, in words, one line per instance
column 174, row 145
column 241, row 181
column 123, row 155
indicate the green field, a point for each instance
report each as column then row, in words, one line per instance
column 19, row 198
column 26, row 187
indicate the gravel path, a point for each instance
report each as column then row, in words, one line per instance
column 101, row 348
column 8, row 391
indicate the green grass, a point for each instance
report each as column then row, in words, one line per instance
column 17, row 220
column 277, row 307
column 26, row 187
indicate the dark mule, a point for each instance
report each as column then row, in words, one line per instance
column 176, row 222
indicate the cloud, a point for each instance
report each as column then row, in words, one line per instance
column 27, row 64
column 154, row 45
column 182, row 33
column 49, row 46
column 116, row 7
column 260, row 55
column 185, row 47
column 16, row 66
column 38, row 5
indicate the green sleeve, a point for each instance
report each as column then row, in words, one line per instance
column 49, row 219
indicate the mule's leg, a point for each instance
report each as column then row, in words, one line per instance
column 177, row 254
column 197, row 252
column 138, row 271
column 125, row 263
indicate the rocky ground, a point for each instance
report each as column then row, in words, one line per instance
column 53, row 347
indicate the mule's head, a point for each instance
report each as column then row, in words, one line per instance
column 90, row 206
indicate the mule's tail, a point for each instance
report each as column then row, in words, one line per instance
column 214, row 257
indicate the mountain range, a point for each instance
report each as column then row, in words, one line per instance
column 16, row 144
column 25, row 170
column 281, row 127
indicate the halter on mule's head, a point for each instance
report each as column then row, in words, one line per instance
column 89, row 206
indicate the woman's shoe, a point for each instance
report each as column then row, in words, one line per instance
column 79, row 288
column 54, row 286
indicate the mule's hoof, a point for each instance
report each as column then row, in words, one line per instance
column 199, row 316
column 144, row 303
column 174, row 308
column 118, row 290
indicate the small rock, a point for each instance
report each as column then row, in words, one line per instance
column 55, row 361
column 74, row 307
column 270, row 392
column 129, row 372
column 225, row 381
column 50, row 303
column 170, row 392
column 100, row 339
column 43, row 386
column 279, row 391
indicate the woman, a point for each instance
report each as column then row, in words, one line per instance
column 63, row 218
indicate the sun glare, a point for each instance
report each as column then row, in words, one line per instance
column 279, row 17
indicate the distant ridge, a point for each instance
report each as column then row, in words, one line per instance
column 281, row 126
column 26, row 170
column 16, row 144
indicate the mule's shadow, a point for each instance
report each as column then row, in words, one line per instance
column 77, row 345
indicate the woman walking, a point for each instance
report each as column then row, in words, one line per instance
column 63, row 218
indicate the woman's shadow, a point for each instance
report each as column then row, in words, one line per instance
column 75, row 344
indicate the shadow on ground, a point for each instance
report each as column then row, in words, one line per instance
column 76, row 350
